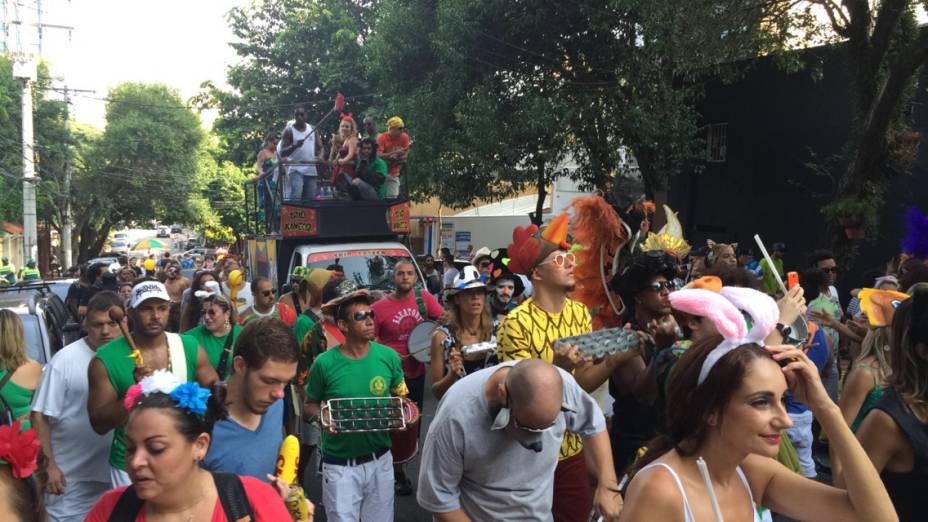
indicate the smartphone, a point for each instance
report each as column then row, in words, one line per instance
column 792, row 280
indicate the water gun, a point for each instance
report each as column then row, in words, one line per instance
column 287, row 462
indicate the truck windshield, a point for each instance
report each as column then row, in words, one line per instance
column 371, row 269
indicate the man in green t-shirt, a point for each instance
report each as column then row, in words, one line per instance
column 114, row 368
column 357, row 467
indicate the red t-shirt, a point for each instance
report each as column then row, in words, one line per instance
column 394, row 321
column 265, row 503
column 386, row 144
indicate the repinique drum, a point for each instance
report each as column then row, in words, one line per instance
column 406, row 443
column 420, row 341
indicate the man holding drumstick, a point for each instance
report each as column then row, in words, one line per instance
column 115, row 369
column 357, row 468
column 396, row 315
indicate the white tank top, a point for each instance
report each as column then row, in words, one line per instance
column 687, row 512
column 305, row 153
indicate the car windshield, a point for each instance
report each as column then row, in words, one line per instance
column 33, row 337
column 371, row 268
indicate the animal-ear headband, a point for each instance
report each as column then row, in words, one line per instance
column 724, row 309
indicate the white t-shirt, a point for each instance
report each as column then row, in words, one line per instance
column 80, row 452
column 447, row 280
column 243, row 299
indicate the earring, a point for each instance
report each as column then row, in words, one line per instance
column 228, row 324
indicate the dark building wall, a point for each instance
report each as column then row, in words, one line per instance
column 776, row 121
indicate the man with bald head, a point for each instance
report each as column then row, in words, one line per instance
column 492, row 448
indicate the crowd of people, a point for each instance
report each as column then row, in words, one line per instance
column 361, row 164
column 735, row 396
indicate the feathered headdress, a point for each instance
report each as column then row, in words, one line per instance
column 530, row 245
column 725, row 309
column 915, row 241
column 600, row 231
column 669, row 238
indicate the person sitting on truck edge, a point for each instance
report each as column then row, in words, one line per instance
column 370, row 174
column 394, row 148
column 265, row 305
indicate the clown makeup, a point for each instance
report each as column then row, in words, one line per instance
column 504, row 290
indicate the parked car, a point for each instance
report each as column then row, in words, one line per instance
column 119, row 246
column 176, row 229
column 45, row 318
column 199, row 251
column 121, row 235
column 163, row 232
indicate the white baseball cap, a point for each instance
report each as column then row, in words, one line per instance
column 148, row 290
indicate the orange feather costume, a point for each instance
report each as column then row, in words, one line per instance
column 600, row 231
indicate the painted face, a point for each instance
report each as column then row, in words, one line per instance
column 505, row 290
column 756, row 416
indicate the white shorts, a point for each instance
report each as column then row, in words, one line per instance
column 364, row 492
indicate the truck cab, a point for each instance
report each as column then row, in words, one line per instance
column 361, row 238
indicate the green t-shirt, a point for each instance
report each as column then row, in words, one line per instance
column 116, row 358
column 302, row 327
column 333, row 376
column 213, row 345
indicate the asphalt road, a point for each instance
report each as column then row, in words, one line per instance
column 406, row 509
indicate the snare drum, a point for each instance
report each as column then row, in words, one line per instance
column 420, row 341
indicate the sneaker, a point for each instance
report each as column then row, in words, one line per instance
column 403, row 487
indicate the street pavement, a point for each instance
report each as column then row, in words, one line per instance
column 406, row 508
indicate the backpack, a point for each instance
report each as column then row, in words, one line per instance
column 231, row 495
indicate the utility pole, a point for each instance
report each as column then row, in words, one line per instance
column 25, row 70
column 66, row 224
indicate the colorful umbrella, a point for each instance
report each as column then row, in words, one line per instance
column 148, row 244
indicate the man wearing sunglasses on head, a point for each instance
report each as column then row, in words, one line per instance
column 530, row 332
column 357, row 468
column 266, row 305
column 492, row 449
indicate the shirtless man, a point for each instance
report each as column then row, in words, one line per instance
column 175, row 285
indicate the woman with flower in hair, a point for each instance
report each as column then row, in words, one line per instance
column 168, row 435
column 19, row 375
column 725, row 417
column 20, row 498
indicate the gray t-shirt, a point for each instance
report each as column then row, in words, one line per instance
column 490, row 476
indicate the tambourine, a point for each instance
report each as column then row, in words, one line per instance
column 478, row 351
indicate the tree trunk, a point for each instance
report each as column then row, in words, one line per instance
column 537, row 217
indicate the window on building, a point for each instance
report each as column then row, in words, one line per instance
column 716, row 142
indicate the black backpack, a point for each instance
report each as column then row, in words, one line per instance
column 231, row 495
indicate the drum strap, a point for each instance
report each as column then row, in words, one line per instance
column 421, row 304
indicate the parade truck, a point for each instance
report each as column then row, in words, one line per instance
column 364, row 239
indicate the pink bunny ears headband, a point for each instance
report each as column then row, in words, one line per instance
column 725, row 309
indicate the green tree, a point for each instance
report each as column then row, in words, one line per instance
column 885, row 48
column 292, row 52
column 596, row 75
column 143, row 167
column 218, row 196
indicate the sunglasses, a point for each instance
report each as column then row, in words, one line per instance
column 657, row 286
column 832, row 270
column 561, row 260
column 267, row 293
column 362, row 316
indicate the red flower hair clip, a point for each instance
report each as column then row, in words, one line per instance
column 19, row 449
